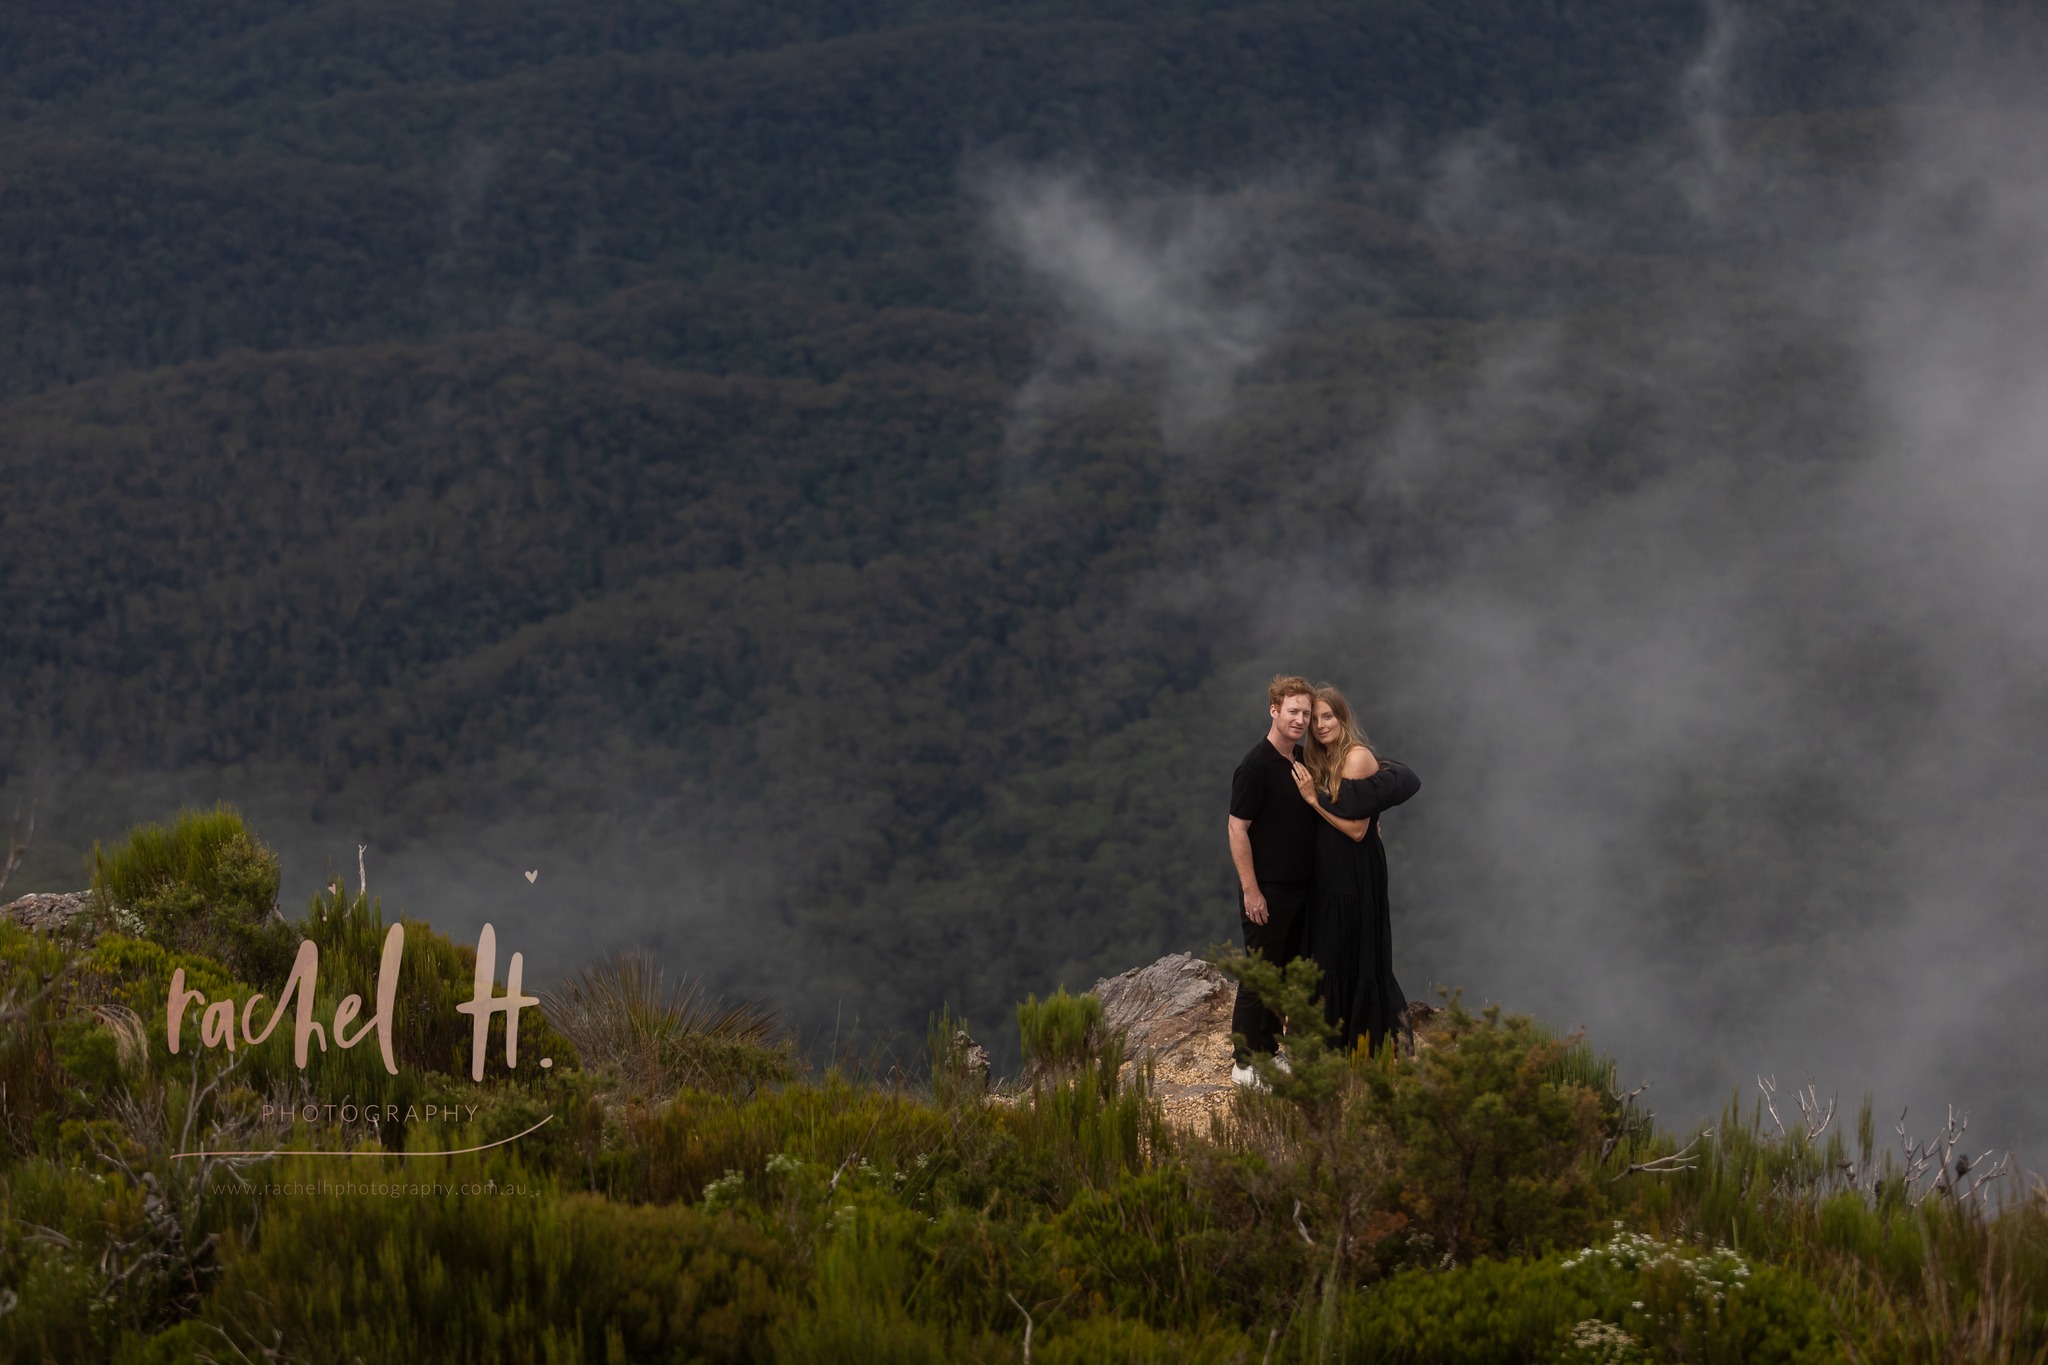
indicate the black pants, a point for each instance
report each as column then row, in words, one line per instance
column 1278, row 940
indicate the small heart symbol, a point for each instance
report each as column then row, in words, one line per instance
column 532, row 875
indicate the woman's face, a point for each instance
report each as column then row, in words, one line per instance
column 1327, row 724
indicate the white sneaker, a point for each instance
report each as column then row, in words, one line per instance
column 1245, row 1076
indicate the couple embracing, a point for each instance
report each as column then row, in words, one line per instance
column 1305, row 811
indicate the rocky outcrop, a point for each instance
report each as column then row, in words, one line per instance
column 1167, row 1007
column 49, row 912
column 971, row 1058
column 1176, row 1011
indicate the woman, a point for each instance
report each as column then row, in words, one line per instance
column 1349, row 931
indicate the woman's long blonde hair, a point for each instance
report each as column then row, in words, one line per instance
column 1326, row 762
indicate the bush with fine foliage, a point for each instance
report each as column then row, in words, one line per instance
column 1486, row 1199
column 1630, row 1298
column 1496, row 1156
column 203, row 884
column 495, row 1266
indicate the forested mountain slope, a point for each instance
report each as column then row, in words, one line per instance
column 182, row 180
column 658, row 442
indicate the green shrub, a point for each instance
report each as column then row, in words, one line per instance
column 858, row 1310
column 1630, row 1298
column 56, row 1312
column 435, row 976
column 516, row 1275
column 834, row 1220
column 1485, row 1313
column 38, row 979
column 675, row 1151
column 1579, row 1063
column 1316, row 1075
column 188, row 1343
column 1120, row 1341
column 1916, row 1275
column 977, row 1260
column 1084, row 1120
column 95, row 1255
column 205, row 885
column 1297, row 1188
column 1495, row 1157
column 1129, row 1249
column 1081, row 1130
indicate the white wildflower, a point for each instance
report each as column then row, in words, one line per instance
column 724, row 1190
column 1603, row 1342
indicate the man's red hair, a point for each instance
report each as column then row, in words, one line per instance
column 1285, row 686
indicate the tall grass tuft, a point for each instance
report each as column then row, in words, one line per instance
column 1917, row 1268
column 625, row 1019
column 1059, row 1032
column 1579, row 1063
column 1082, row 1121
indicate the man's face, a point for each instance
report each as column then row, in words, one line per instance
column 1291, row 716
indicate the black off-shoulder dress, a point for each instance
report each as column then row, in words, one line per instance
column 1349, row 930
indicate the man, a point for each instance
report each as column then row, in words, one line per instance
column 1273, row 844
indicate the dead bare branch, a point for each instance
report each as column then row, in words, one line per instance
column 1629, row 1118
column 1769, row 1086
column 1980, row 1183
column 167, row 1251
column 1027, row 1325
column 1936, row 1162
column 1810, row 1110
column 1685, row 1158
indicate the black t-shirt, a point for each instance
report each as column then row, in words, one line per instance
column 1283, row 829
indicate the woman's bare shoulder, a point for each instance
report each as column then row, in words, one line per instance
column 1360, row 763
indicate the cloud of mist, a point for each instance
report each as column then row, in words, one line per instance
column 1832, row 670
column 1946, row 516
column 1850, row 652
column 1188, row 290
column 1703, row 99
column 1733, row 760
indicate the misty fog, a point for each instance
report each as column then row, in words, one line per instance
column 1673, row 515
column 1739, row 765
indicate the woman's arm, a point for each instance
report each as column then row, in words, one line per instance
column 1390, row 784
column 1305, row 783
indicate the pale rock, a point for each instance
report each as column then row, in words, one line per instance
column 48, row 911
column 1176, row 1011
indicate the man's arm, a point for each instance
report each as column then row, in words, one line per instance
column 1241, row 854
